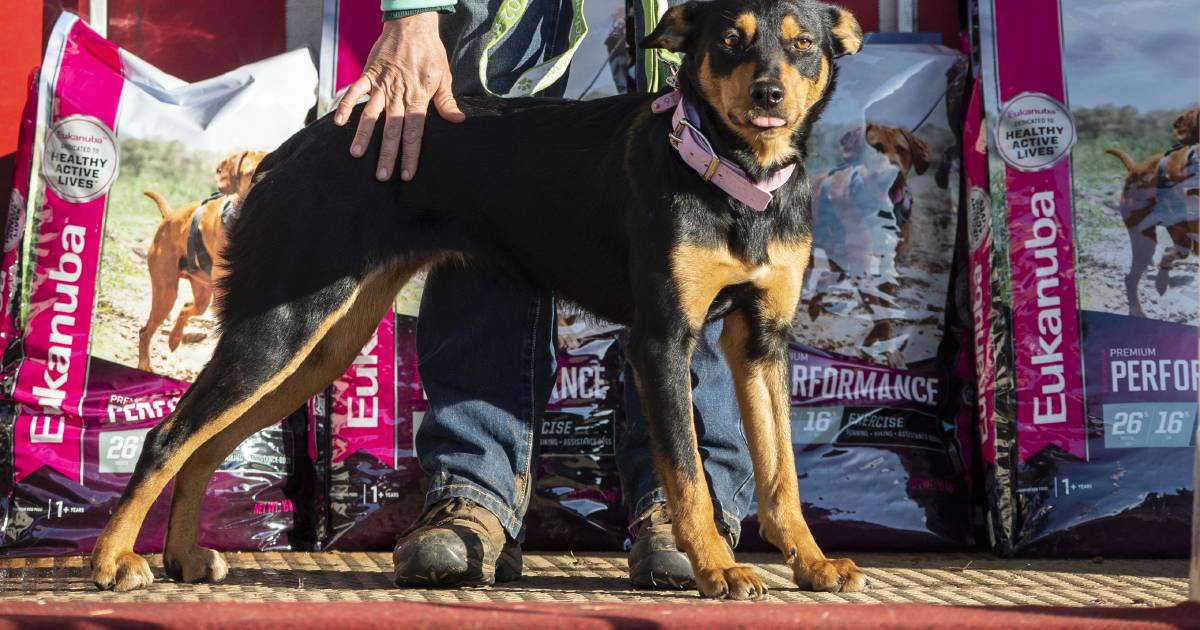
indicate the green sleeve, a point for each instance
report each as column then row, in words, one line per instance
column 395, row 9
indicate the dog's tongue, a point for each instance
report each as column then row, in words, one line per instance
column 767, row 122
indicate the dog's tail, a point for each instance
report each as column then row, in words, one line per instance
column 163, row 206
column 1120, row 155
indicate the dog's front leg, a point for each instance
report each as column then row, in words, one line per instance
column 660, row 362
column 671, row 308
column 755, row 343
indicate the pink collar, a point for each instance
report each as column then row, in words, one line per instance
column 696, row 151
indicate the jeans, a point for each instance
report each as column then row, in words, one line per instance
column 485, row 343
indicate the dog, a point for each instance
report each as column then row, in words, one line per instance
column 861, row 213
column 322, row 248
column 187, row 245
column 1161, row 190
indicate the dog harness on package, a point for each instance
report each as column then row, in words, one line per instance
column 198, row 257
column 698, row 153
column 1174, row 208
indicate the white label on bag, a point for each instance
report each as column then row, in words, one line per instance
column 1034, row 132
column 80, row 159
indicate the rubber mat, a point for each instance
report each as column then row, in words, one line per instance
column 959, row 579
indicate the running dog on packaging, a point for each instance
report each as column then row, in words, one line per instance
column 188, row 245
column 697, row 208
column 862, row 213
column 1161, row 190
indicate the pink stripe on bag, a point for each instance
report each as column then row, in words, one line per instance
column 358, row 27
column 364, row 400
column 53, row 375
column 1045, row 320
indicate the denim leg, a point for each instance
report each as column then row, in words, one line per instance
column 486, row 360
column 485, row 340
column 718, row 430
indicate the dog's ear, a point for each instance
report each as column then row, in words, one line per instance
column 675, row 27
column 847, row 34
column 227, row 173
column 922, row 156
column 247, row 166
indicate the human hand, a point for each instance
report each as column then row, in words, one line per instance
column 407, row 68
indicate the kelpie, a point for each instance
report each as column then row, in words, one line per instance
column 677, row 236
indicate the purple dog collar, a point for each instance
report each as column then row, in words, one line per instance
column 697, row 153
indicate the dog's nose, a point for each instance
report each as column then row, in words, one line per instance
column 766, row 92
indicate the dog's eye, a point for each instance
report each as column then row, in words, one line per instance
column 803, row 43
column 731, row 40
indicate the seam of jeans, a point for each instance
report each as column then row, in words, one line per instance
column 531, row 377
column 741, row 491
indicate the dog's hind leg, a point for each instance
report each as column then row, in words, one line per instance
column 263, row 368
column 201, row 298
column 755, row 343
column 1141, row 254
column 164, row 288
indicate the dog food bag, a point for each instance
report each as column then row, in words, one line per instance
column 1085, row 269
column 881, row 446
column 132, row 179
column 577, row 502
column 67, row 472
column 375, row 480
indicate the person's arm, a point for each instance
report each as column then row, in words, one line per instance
column 407, row 68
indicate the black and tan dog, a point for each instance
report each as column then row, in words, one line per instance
column 322, row 248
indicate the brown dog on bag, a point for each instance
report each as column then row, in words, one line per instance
column 1161, row 190
column 188, row 245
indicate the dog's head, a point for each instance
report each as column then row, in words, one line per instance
column 234, row 173
column 903, row 149
column 763, row 67
column 1187, row 127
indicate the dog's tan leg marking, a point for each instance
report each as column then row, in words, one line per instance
column 325, row 354
column 692, row 522
column 765, row 403
column 201, row 298
column 699, row 274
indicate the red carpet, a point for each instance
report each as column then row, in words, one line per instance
column 200, row 615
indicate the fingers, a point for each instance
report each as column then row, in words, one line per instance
column 350, row 99
column 393, row 127
column 444, row 101
column 366, row 123
column 414, row 129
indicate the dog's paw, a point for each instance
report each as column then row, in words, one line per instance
column 195, row 565
column 839, row 575
column 738, row 582
column 127, row 572
column 1162, row 281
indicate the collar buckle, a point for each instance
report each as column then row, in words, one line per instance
column 676, row 135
